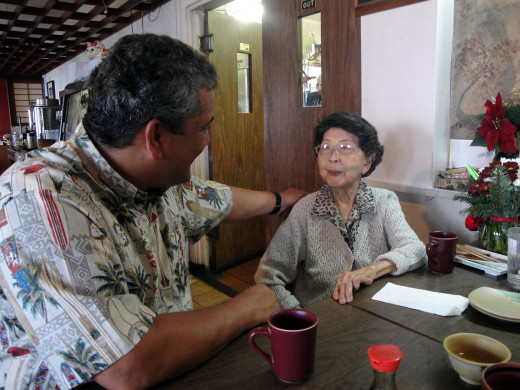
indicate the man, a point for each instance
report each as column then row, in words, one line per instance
column 95, row 232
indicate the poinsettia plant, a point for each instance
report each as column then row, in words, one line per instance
column 493, row 192
column 499, row 125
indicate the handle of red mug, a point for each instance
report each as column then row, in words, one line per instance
column 430, row 248
column 258, row 332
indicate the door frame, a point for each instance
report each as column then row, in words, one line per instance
column 189, row 27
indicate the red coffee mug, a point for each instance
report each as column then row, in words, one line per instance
column 293, row 344
column 501, row 376
column 441, row 249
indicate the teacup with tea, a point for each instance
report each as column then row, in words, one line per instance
column 471, row 353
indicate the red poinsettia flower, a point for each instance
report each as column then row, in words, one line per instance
column 496, row 128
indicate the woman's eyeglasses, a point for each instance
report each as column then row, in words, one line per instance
column 325, row 150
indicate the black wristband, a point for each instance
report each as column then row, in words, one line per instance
column 278, row 203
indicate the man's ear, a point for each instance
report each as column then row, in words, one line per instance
column 153, row 138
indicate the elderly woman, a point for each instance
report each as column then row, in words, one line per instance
column 347, row 233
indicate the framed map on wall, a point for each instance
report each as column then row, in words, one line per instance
column 485, row 59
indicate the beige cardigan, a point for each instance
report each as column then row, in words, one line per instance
column 309, row 252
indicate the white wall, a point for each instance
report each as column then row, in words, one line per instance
column 406, row 62
column 398, row 89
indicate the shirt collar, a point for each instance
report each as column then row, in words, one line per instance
column 324, row 202
column 365, row 201
column 105, row 175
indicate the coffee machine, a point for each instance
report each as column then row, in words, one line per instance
column 46, row 117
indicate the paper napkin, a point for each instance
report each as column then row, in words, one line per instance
column 429, row 301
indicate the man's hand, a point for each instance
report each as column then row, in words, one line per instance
column 262, row 299
column 290, row 197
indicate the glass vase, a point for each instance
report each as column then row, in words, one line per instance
column 493, row 233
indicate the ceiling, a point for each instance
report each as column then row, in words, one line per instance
column 37, row 36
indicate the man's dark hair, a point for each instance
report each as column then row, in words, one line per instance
column 145, row 77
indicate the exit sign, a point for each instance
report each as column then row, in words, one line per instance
column 307, row 4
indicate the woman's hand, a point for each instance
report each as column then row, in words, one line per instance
column 350, row 281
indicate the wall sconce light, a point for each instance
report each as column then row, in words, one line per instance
column 206, row 43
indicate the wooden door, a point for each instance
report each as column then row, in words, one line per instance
column 288, row 126
column 237, row 138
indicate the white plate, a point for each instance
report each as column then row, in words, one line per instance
column 495, row 315
column 501, row 304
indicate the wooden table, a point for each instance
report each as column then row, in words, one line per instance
column 344, row 336
column 461, row 281
column 345, row 332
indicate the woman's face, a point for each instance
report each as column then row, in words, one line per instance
column 342, row 170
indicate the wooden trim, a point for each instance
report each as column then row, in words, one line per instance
column 373, row 6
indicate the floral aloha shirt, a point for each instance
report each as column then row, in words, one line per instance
column 89, row 261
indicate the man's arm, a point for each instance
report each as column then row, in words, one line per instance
column 178, row 342
column 249, row 203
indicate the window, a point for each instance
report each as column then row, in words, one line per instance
column 22, row 95
column 244, row 82
column 309, row 28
